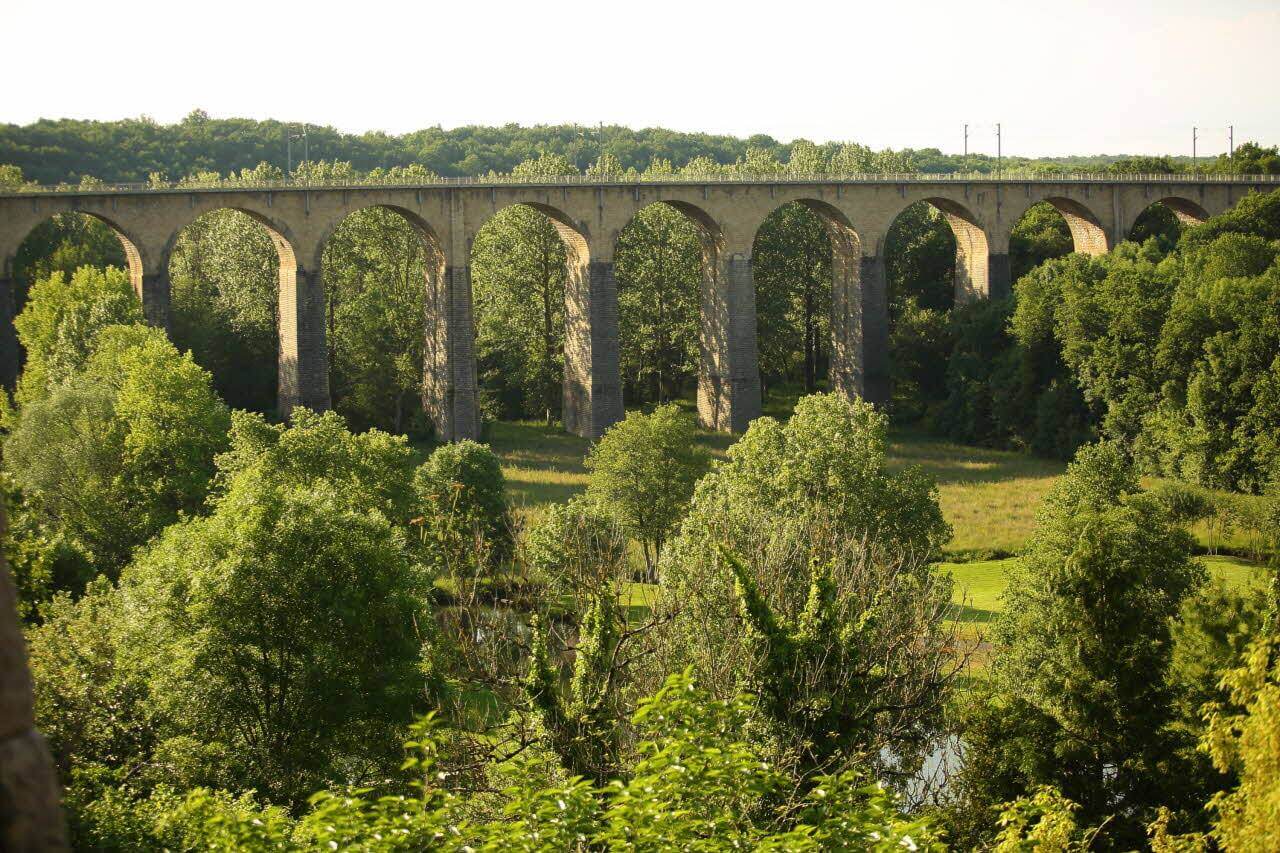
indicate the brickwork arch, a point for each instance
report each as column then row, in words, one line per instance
column 846, row 341
column 592, row 385
column 302, row 358
column 448, row 399
column 132, row 254
column 1188, row 212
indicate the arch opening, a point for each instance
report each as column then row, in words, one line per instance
column 663, row 259
column 230, row 271
column 1042, row 233
column 807, row 266
column 1165, row 220
column 59, row 245
column 386, row 308
column 1087, row 235
column 531, row 284
column 64, row 242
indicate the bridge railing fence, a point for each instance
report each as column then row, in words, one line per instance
column 633, row 178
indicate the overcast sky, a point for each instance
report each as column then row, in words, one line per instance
column 1066, row 77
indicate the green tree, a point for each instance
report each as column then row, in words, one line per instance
column 815, row 490
column 117, row 453
column 659, row 269
column 461, row 493
column 61, row 320
column 257, row 628
column 1080, row 699
column 643, row 471
column 1220, row 395
column 1241, row 738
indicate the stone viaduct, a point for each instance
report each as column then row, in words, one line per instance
column 589, row 213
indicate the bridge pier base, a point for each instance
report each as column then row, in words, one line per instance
column 999, row 277
column 304, row 357
column 875, row 331
column 592, row 372
column 729, row 379
column 155, row 298
column 449, row 388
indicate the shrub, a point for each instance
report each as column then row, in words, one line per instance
column 642, row 473
column 461, row 494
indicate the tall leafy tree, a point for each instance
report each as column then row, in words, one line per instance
column 518, row 274
column 659, row 270
column 1080, row 697
column 792, row 269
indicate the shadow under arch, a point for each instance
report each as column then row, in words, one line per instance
column 591, row 385
column 846, row 339
column 447, row 390
column 714, row 374
column 133, row 257
column 301, row 358
column 1166, row 215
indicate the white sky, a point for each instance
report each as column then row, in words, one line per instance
column 1066, row 77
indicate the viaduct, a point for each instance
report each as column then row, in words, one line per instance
column 589, row 213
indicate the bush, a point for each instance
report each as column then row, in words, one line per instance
column 574, row 547
column 642, row 473
column 461, row 494
column 115, row 454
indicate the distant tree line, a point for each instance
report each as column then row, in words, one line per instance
column 65, row 150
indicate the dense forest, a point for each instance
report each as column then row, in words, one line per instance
column 130, row 150
column 337, row 633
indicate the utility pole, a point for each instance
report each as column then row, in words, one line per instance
column 1195, row 131
column 1231, row 140
column 999, row 150
column 966, row 142
column 289, row 136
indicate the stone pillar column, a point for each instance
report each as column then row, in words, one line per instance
column 10, row 353
column 999, row 277
column 155, row 298
column 592, row 377
column 846, row 324
column 449, row 387
column 304, row 358
column 30, row 818
column 729, row 381
column 875, row 331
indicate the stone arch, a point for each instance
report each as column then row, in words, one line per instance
column 1186, row 211
column 846, row 367
column 302, row 359
column 592, row 392
column 155, row 310
column 972, row 277
column 716, row 373
column 448, row 390
column 132, row 254
column 1087, row 233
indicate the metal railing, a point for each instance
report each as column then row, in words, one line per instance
column 633, row 178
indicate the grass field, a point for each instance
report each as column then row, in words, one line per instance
column 989, row 496
column 980, row 585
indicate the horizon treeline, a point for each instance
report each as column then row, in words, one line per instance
column 131, row 149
